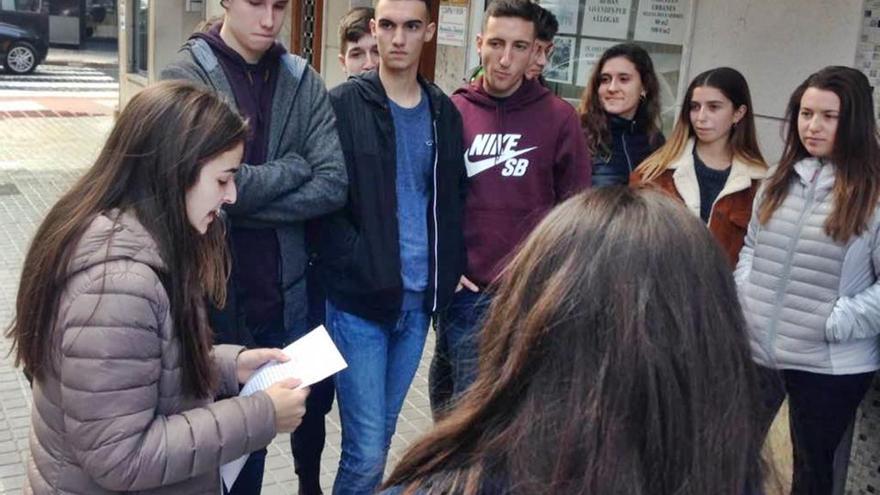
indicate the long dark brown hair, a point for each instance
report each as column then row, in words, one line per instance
column 594, row 119
column 742, row 141
column 855, row 157
column 152, row 157
column 614, row 360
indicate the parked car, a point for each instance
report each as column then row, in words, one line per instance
column 21, row 49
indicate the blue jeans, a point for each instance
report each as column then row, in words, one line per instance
column 458, row 328
column 382, row 361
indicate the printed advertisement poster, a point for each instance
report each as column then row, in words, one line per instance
column 662, row 21
column 566, row 12
column 560, row 68
column 606, row 18
column 452, row 25
column 588, row 53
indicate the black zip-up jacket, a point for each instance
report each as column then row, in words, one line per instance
column 630, row 144
column 359, row 245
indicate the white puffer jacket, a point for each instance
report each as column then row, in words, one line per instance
column 811, row 303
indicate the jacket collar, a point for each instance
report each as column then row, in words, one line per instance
column 685, row 177
column 290, row 78
column 371, row 88
column 810, row 168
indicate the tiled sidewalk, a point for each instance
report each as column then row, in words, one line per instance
column 39, row 159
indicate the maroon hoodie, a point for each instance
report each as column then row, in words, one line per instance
column 524, row 155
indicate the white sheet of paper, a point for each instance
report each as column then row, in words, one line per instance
column 312, row 358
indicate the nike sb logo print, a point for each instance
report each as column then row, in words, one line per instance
column 498, row 149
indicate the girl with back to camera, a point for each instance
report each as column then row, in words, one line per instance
column 623, row 372
column 620, row 113
column 110, row 317
column 712, row 162
column 807, row 275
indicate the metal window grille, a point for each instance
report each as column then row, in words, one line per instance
column 308, row 30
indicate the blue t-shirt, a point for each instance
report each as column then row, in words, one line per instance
column 414, row 135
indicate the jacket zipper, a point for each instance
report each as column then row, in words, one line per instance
column 719, row 198
column 789, row 256
column 436, row 225
column 626, row 153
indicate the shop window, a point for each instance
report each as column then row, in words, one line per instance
column 588, row 27
column 101, row 18
column 139, row 36
column 20, row 5
column 66, row 8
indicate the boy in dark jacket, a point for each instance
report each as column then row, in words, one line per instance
column 293, row 171
column 393, row 255
column 525, row 153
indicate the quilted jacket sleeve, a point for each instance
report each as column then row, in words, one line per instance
column 747, row 253
column 858, row 316
column 226, row 360
column 115, row 350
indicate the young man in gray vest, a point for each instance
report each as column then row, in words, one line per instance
column 293, row 171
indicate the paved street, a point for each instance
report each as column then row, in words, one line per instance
column 60, row 80
column 60, row 89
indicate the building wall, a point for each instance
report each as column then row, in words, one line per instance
column 169, row 27
column 776, row 45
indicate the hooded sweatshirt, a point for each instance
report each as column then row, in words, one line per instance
column 256, row 277
column 524, row 155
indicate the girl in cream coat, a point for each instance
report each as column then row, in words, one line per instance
column 712, row 162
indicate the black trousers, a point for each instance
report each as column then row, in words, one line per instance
column 307, row 442
column 821, row 407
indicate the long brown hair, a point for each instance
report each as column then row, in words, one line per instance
column 742, row 140
column 151, row 158
column 855, row 157
column 594, row 119
column 605, row 367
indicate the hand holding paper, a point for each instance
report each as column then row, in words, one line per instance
column 312, row 358
column 250, row 360
column 289, row 400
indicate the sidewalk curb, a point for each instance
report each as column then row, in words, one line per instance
column 76, row 63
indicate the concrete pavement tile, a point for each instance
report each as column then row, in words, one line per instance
column 277, row 462
column 13, row 484
column 10, row 470
column 277, row 490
